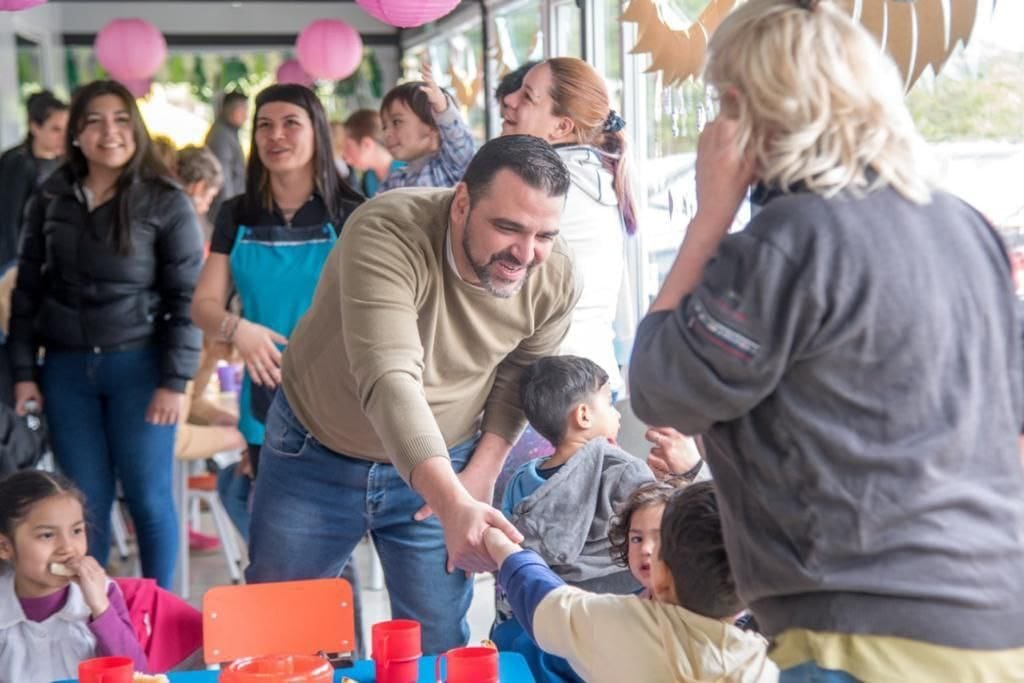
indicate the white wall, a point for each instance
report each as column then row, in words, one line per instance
column 41, row 24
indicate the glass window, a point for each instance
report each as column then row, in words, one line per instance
column 971, row 113
column 30, row 75
column 457, row 59
column 608, row 52
column 566, row 30
column 518, row 35
column 676, row 115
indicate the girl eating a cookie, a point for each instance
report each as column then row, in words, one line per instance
column 57, row 605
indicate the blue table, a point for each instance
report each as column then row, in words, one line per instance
column 512, row 668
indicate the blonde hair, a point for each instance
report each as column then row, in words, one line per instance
column 818, row 103
column 165, row 150
column 580, row 94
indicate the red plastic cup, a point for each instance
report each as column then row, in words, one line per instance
column 396, row 650
column 106, row 670
column 279, row 669
column 469, row 665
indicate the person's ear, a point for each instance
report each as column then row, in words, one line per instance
column 582, row 416
column 195, row 189
column 729, row 103
column 460, row 206
column 6, row 548
column 565, row 129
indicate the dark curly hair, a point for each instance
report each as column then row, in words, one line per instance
column 645, row 496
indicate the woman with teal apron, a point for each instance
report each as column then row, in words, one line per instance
column 275, row 269
column 269, row 244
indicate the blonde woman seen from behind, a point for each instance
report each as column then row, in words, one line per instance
column 861, row 407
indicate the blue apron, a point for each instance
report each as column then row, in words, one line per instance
column 275, row 269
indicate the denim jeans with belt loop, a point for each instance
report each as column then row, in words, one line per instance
column 312, row 505
column 95, row 404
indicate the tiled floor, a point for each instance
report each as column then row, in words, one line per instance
column 208, row 569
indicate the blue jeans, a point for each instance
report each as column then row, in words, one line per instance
column 312, row 505
column 95, row 405
column 233, row 488
column 810, row 672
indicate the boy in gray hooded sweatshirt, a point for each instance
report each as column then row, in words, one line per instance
column 563, row 504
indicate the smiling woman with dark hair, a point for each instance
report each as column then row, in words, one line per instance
column 109, row 257
column 270, row 243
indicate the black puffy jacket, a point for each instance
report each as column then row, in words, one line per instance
column 75, row 292
column 19, row 177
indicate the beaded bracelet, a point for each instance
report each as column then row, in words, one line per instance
column 228, row 327
column 691, row 473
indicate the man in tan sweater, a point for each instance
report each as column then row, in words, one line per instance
column 400, row 384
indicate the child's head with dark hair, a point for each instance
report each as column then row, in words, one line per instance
column 568, row 396
column 234, row 108
column 634, row 532
column 692, row 569
column 42, row 522
column 407, row 122
column 511, row 82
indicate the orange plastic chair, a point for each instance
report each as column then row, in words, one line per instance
column 285, row 618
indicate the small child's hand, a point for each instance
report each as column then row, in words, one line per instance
column 499, row 546
column 672, row 453
column 438, row 100
column 91, row 578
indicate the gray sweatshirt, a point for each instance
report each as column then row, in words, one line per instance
column 856, row 367
column 566, row 519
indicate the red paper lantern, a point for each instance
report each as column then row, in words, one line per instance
column 292, row 72
column 130, row 49
column 329, row 49
column 407, row 13
column 18, row 5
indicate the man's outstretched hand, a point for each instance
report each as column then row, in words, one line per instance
column 463, row 517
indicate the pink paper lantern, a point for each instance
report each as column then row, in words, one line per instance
column 292, row 72
column 130, row 49
column 18, row 5
column 138, row 87
column 407, row 13
column 329, row 49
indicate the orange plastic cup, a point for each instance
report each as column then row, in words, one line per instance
column 106, row 670
column 279, row 669
column 396, row 650
column 468, row 665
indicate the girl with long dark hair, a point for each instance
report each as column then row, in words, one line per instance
column 109, row 258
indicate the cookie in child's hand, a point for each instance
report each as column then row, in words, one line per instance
column 59, row 569
column 146, row 678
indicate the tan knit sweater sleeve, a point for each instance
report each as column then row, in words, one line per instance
column 382, row 268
